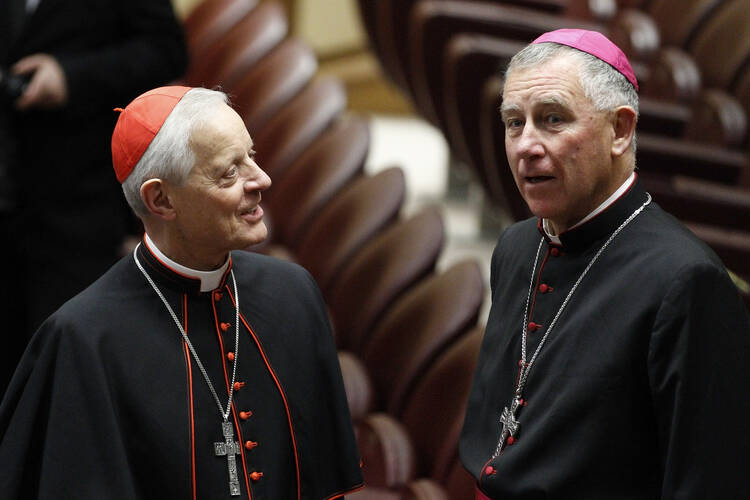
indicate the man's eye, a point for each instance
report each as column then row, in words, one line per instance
column 554, row 119
column 513, row 123
column 231, row 172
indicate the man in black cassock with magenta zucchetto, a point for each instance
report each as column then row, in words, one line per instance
column 616, row 359
column 191, row 369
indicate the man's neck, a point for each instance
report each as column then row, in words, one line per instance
column 554, row 235
column 210, row 280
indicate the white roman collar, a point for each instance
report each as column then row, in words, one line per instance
column 210, row 280
column 554, row 238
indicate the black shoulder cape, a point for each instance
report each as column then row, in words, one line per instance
column 108, row 402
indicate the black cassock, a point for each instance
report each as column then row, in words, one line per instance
column 642, row 390
column 109, row 403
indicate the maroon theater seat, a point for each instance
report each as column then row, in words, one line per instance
column 235, row 53
column 417, row 328
column 352, row 218
column 262, row 92
column 374, row 277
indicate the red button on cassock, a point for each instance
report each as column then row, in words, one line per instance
column 217, row 296
column 489, row 470
column 230, row 356
column 250, row 444
column 244, row 415
column 256, row 475
column 533, row 326
column 225, row 326
column 238, row 385
column 543, row 288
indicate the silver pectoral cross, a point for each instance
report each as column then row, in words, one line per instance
column 230, row 448
column 509, row 423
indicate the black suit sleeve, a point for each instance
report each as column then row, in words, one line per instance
column 146, row 46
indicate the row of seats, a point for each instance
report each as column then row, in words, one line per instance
column 448, row 57
column 407, row 332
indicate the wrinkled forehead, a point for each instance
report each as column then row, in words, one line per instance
column 555, row 81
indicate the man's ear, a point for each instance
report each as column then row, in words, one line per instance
column 156, row 199
column 623, row 123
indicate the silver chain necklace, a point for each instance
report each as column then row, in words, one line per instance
column 229, row 447
column 510, row 424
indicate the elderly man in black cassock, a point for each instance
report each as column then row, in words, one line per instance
column 191, row 369
column 616, row 360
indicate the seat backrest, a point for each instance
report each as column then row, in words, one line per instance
column 434, row 414
column 722, row 44
column 667, row 156
column 459, row 483
column 393, row 31
column 673, row 76
column 704, row 202
column 297, row 124
column 418, row 327
column 273, row 82
column 317, row 175
column 240, row 48
column 434, row 23
column 717, row 118
column 357, row 385
column 210, row 20
column 742, row 89
column 500, row 183
column 678, row 20
column 353, row 217
column 380, row 272
column 470, row 60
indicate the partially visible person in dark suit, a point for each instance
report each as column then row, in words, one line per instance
column 63, row 220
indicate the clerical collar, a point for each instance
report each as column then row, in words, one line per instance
column 603, row 222
column 209, row 280
column 554, row 238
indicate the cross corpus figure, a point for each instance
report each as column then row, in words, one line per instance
column 230, row 448
column 510, row 424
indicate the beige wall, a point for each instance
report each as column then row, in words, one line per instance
column 329, row 26
column 183, row 7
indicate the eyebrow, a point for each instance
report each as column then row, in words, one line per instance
column 546, row 101
column 554, row 101
column 507, row 108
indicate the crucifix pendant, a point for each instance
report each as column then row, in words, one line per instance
column 230, row 448
column 510, row 425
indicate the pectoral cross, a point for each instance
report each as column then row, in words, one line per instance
column 510, row 425
column 230, row 448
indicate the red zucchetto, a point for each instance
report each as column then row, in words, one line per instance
column 137, row 125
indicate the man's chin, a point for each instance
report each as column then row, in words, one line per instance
column 257, row 239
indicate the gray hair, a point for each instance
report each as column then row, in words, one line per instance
column 602, row 84
column 170, row 156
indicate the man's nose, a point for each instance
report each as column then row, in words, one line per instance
column 258, row 181
column 529, row 144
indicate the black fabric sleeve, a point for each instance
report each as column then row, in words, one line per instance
column 148, row 46
column 699, row 370
column 60, row 436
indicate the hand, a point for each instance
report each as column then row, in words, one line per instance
column 47, row 88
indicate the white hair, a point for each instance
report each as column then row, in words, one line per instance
column 603, row 85
column 170, row 156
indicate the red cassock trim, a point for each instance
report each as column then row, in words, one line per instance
column 237, row 427
column 281, row 391
column 341, row 494
column 479, row 495
column 190, row 400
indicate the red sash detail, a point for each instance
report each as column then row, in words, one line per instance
column 479, row 495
